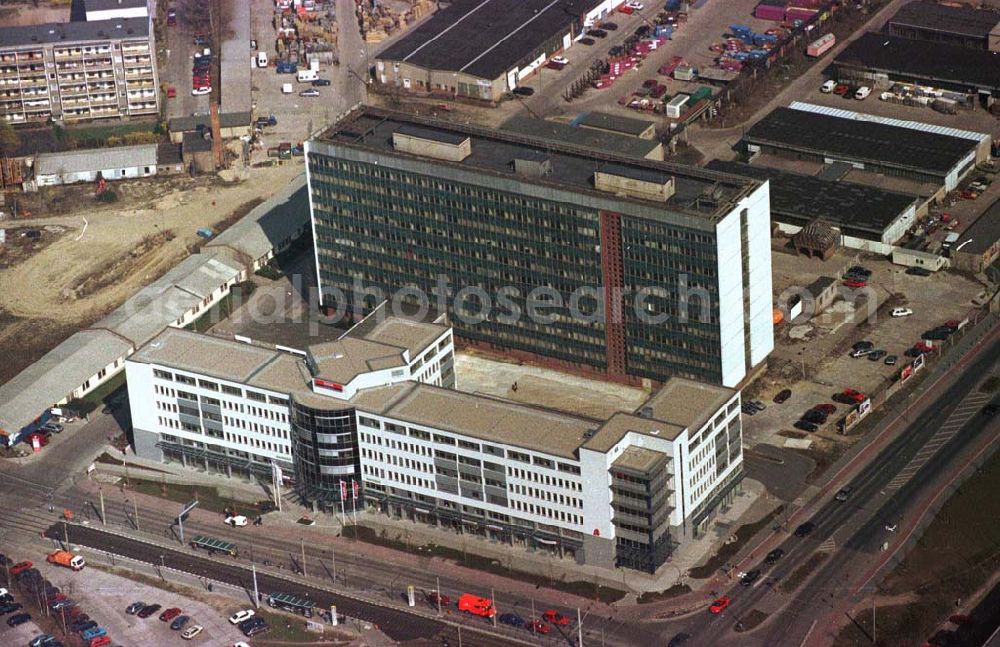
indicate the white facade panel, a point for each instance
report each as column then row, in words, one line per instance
column 758, row 205
column 730, row 269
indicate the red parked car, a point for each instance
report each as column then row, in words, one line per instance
column 434, row 597
column 536, row 626
column 855, row 396
column 826, row 408
column 855, row 283
column 556, row 618
column 170, row 614
column 923, row 347
column 20, row 567
column 720, row 605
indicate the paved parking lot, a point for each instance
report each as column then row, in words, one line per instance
column 105, row 596
column 20, row 635
column 180, row 52
column 811, row 356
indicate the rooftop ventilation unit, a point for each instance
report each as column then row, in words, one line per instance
column 432, row 142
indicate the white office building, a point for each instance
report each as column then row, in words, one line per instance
column 374, row 415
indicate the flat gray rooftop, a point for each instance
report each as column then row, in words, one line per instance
column 931, row 16
column 597, row 140
column 572, row 168
column 798, row 199
column 66, row 33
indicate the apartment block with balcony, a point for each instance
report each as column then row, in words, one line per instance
column 78, row 71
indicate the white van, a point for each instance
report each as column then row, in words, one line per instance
column 286, row 88
column 261, row 59
column 307, row 76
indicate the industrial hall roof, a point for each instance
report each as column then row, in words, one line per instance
column 485, row 38
column 860, row 140
column 923, row 59
column 854, row 208
column 931, row 16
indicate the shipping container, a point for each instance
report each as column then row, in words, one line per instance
column 769, row 12
column 675, row 107
column 685, row 73
column 821, row 45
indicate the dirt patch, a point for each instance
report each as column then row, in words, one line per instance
column 103, row 254
column 113, row 272
column 24, row 242
column 785, row 433
column 25, row 340
column 674, row 591
column 991, row 384
column 728, row 551
column 800, row 574
column 823, row 455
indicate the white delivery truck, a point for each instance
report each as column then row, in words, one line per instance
column 261, row 59
column 286, row 88
column 307, row 76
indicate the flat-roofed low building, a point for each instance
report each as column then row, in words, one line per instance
column 931, row 21
column 915, row 150
column 372, row 419
column 879, row 59
column 866, row 218
column 617, row 124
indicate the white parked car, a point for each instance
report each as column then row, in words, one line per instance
column 199, row 91
column 560, row 60
column 828, row 87
column 901, row 312
column 638, row 6
column 891, row 527
column 862, row 93
column 241, row 615
column 191, row 632
column 238, row 521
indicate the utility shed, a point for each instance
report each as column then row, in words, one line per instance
column 597, row 140
column 617, row 124
column 87, row 165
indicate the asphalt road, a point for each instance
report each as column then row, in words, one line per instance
column 852, row 531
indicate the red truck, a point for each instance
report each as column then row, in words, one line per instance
column 476, row 605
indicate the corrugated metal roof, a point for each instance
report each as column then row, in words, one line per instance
column 56, row 375
column 95, row 159
column 889, row 121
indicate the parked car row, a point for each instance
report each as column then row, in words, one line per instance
column 201, row 72
column 535, row 625
column 38, row 588
column 174, row 615
column 751, row 407
column 846, row 90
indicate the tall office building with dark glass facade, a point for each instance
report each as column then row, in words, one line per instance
column 632, row 268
